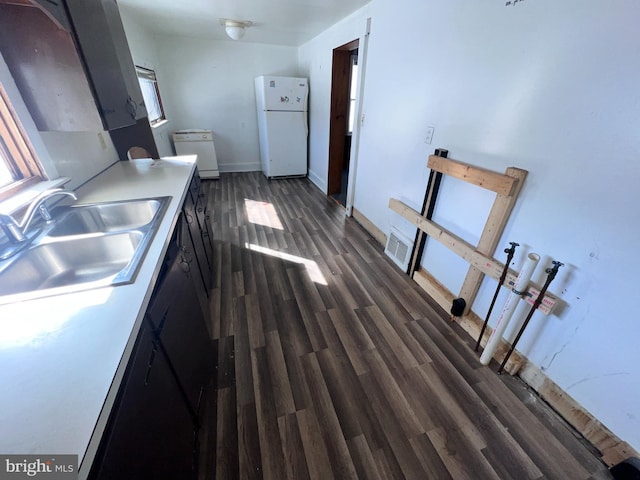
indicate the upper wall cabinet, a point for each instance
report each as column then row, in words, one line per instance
column 105, row 51
column 71, row 63
column 41, row 54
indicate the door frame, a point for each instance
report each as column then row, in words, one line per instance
column 363, row 47
column 363, row 51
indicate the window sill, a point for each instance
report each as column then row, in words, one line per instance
column 160, row 124
column 24, row 197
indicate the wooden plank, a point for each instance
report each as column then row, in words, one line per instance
column 496, row 182
column 613, row 449
column 273, row 462
column 339, row 457
column 291, row 439
column 470, row 322
column 248, row 455
column 315, row 449
column 496, row 222
column 434, row 289
column 363, row 458
column 281, row 387
column 549, row 454
column 483, row 263
column 368, row 225
column 227, row 461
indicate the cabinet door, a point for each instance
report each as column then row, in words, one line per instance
column 43, row 60
column 103, row 44
column 191, row 268
column 198, row 242
column 179, row 323
column 203, row 223
column 55, row 10
column 151, row 433
column 202, row 214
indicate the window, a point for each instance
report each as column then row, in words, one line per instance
column 353, row 90
column 151, row 94
column 19, row 165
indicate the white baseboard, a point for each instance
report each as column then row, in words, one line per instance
column 239, row 167
column 317, row 181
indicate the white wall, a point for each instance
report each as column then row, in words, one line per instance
column 315, row 58
column 78, row 155
column 208, row 84
column 144, row 52
column 26, row 120
column 550, row 87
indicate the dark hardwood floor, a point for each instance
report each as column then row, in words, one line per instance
column 334, row 364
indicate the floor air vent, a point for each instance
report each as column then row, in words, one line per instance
column 398, row 248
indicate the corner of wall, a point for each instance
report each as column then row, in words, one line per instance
column 318, row 181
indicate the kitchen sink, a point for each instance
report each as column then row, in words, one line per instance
column 85, row 246
column 106, row 217
column 97, row 259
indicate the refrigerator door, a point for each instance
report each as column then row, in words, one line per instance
column 283, row 143
column 282, row 93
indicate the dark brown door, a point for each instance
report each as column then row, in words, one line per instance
column 339, row 134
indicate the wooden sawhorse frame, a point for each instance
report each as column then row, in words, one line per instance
column 507, row 186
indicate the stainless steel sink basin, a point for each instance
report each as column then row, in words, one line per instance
column 106, row 217
column 87, row 246
column 97, row 259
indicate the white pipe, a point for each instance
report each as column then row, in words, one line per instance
column 509, row 307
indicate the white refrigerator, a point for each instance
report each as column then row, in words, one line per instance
column 282, row 125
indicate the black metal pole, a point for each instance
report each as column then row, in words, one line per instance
column 509, row 252
column 551, row 274
column 428, row 206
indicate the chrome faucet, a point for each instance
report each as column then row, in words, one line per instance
column 16, row 231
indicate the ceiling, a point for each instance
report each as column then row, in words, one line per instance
column 282, row 22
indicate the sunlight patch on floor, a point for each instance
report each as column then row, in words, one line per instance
column 313, row 270
column 262, row 213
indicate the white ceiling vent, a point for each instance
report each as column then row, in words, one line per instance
column 398, row 248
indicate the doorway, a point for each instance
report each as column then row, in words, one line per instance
column 344, row 77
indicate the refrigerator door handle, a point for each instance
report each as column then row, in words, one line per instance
column 306, row 123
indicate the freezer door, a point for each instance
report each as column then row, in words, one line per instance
column 282, row 93
column 283, row 143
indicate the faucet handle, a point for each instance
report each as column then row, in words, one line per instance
column 38, row 205
column 44, row 213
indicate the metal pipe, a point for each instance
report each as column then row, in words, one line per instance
column 551, row 274
column 510, row 252
column 509, row 307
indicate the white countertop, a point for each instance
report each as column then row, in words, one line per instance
column 62, row 358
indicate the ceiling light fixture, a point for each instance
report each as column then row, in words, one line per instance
column 235, row 28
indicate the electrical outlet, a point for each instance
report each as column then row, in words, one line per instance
column 429, row 137
column 103, row 144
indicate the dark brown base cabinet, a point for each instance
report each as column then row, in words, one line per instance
column 153, row 431
column 151, row 435
column 197, row 220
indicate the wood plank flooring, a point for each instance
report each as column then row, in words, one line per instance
column 333, row 364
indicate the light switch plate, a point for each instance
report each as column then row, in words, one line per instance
column 429, row 137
